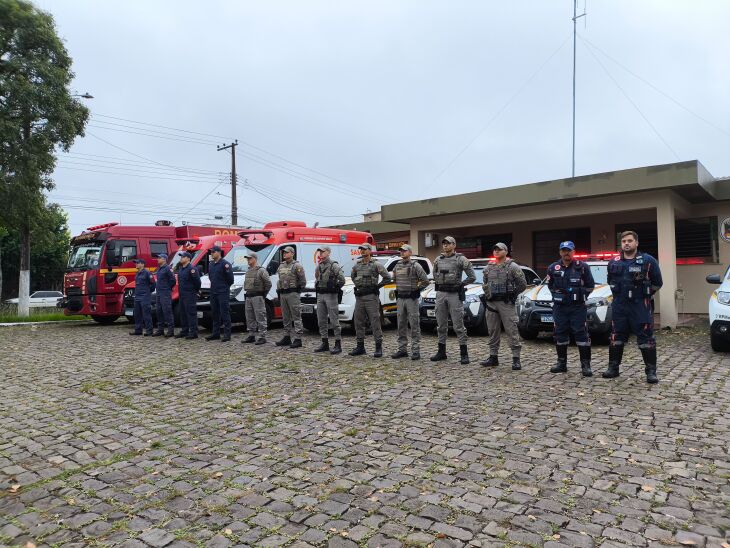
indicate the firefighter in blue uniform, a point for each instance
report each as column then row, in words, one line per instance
column 188, row 279
column 634, row 277
column 220, row 274
column 165, row 282
column 144, row 285
column 570, row 281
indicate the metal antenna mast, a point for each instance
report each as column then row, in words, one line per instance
column 575, row 33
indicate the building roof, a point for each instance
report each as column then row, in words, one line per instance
column 376, row 227
column 688, row 179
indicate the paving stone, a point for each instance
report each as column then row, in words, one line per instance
column 157, row 537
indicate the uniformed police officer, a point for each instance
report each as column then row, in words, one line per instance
column 188, row 279
column 570, row 281
column 410, row 278
column 503, row 281
column 328, row 283
column 448, row 269
column 144, row 285
column 292, row 281
column 634, row 277
column 165, row 282
column 256, row 285
column 220, row 274
column 366, row 273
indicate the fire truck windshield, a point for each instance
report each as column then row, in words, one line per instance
column 84, row 256
column 237, row 255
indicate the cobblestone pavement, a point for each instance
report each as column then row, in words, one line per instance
column 109, row 439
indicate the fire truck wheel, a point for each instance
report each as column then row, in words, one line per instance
column 104, row 320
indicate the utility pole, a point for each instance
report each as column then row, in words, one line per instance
column 234, row 203
column 575, row 33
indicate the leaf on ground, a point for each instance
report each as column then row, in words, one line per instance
column 218, row 475
column 14, row 488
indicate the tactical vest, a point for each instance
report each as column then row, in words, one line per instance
column 365, row 277
column 406, row 280
column 630, row 280
column 327, row 279
column 498, row 282
column 253, row 285
column 567, row 283
column 448, row 272
column 288, row 279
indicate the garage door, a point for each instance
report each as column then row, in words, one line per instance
column 545, row 245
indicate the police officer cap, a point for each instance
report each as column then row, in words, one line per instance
column 365, row 246
column 139, row 261
column 500, row 245
column 186, row 254
column 162, row 256
column 324, row 248
column 567, row 245
column 251, row 255
column 217, row 248
column 405, row 247
column 449, row 240
column 288, row 249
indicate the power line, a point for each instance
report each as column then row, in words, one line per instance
column 654, row 129
column 133, row 175
column 202, row 199
column 149, row 170
column 317, row 207
column 261, row 193
column 206, row 143
column 153, row 131
column 124, row 161
column 496, row 115
column 161, row 126
column 84, row 200
column 655, row 88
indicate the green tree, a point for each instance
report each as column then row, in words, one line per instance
column 38, row 117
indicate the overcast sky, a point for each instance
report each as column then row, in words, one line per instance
column 341, row 106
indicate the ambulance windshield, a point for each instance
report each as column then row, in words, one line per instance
column 237, row 256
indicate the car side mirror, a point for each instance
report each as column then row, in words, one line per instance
column 110, row 245
column 536, row 281
column 713, row 279
column 272, row 268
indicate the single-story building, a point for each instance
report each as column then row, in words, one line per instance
column 680, row 211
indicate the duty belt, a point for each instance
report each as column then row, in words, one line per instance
column 448, row 288
column 329, row 290
column 255, row 293
column 415, row 294
column 363, row 292
column 290, row 290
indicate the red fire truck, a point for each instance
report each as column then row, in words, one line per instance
column 100, row 263
column 199, row 248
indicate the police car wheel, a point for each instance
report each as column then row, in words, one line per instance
column 719, row 344
column 528, row 334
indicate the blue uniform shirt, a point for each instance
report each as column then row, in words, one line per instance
column 636, row 279
column 165, row 279
column 221, row 277
column 144, row 284
column 570, row 284
column 188, row 278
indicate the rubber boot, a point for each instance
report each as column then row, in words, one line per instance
column 464, row 354
column 441, row 354
column 491, row 361
column 324, row 347
column 212, row 337
column 284, row 341
column 337, row 348
column 248, row 340
column 400, row 354
column 561, row 366
column 378, row 350
column 359, row 349
column 260, row 341
column 585, row 361
column 649, row 355
column 615, row 353
column 516, row 363
column 296, row 343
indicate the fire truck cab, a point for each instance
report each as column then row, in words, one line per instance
column 268, row 243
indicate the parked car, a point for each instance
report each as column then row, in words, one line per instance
column 475, row 317
column 41, row 299
column 719, row 312
column 535, row 305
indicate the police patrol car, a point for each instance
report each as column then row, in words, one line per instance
column 719, row 312
column 535, row 305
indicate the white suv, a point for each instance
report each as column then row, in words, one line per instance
column 719, row 312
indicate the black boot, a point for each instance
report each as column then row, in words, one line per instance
column 441, row 354
column 615, row 353
column 400, row 354
column 359, row 350
column 296, row 343
column 260, row 341
column 284, row 341
column 516, row 363
column 378, row 350
column 561, row 366
column 415, row 356
column 324, row 347
column 250, row 339
column 649, row 355
column 181, row 335
column 464, row 354
column 491, row 361
column 157, row 333
column 212, row 337
column 337, row 348
column 585, row 360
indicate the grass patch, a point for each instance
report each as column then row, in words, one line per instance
column 9, row 314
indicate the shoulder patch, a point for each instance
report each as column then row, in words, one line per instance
column 557, row 267
column 228, row 266
column 617, row 258
column 192, row 271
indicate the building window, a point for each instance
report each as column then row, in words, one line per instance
column 696, row 239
